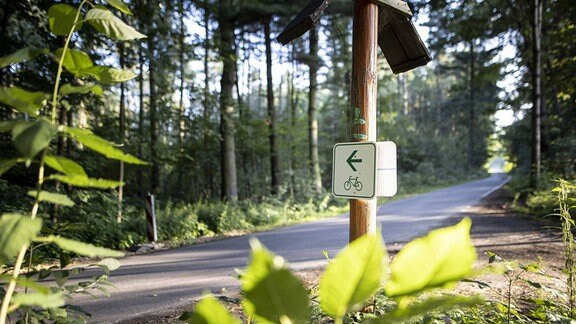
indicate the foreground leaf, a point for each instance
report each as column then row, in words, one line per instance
column 22, row 100
column 68, row 89
column 209, row 311
column 271, row 292
column 120, row 5
column 433, row 304
column 51, row 197
column 33, row 137
column 80, row 248
column 22, row 55
column 61, row 19
column 5, row 165
column 64, row 165
column 16, row 231
column 100, row 145
column 51, row 300
column 75, row 61
column 443, row 256
column 85, row 182
column 353, row 276
column 105, row 22
column 109, row 75
column 109, row 264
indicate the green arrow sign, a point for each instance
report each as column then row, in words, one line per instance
column 352, row 160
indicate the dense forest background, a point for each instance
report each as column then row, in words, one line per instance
column 223, row 112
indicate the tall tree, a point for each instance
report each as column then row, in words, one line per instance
column 537, row 7
column 274, row 161
column 313, row 64
column 228, row 57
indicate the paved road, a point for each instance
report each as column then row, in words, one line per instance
column 155, row 282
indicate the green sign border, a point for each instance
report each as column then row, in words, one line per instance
column 375, row 167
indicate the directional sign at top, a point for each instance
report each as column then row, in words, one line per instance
column 354, row 170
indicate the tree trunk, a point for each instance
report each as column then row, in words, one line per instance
column 228, row 55
column 536, row 164
column 140, row 174
column 471, row 111
column 155, row 170
column 181, row 58
column 121, row 131
column 312, row 121
column 274, row 163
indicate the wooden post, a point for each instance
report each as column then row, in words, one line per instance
column 363, row 90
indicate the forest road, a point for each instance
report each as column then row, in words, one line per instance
column 153, row 283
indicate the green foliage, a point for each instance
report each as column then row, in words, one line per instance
column 22, row 100
column 566, row 197
column 105, row 22
column 432, row 261
column 273, row 294
column 353, row 276
column 22, row 55
column 16, row 231
column 32, row 141
column 209, row 311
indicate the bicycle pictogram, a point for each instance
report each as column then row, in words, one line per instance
column 352, row 182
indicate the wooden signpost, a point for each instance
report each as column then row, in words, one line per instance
column 384, row 23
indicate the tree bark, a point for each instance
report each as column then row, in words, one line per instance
column 274, row 162
column 471, row 108
column 312, row 120
column 181, row 58
column 536, row 164
column 153, row 118
column 228, row 56
column 121, row 131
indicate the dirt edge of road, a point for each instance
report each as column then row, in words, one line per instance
column 496, row 228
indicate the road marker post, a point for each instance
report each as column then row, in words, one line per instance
column 151, row 229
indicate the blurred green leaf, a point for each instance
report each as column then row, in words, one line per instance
column 271, row 292
column 68, row 89
column 109, row 263
column 108, row 75
column 22, row 100
column 54, row 198
column 85, row 182
column 353, row 276
column 404, row 314
column 443, row 256
column 50, row 300
column 120, row 5
column 80, row 248
column 105, row 22
column 64, row 165
column 101, row 145
column 209, row 311
column 22, row 55
column 61, row 19
column 75, row 61
column 31, row 138
column 5, row 165
column 16, row 231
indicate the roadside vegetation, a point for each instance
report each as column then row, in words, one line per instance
column 82, row 143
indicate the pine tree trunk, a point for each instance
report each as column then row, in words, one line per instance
column 536, row 164
column 274, row 162
column 121, row 131
column 228, row 55
column 181, row 58
column 471, row 108
column 153, row 118
column 312, row 121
